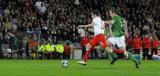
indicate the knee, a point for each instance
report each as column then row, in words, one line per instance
column 107, row 49
column 88, row 46
column 109, row 43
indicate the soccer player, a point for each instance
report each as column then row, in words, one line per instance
column 118, row 29
column 137, row 44
column 99, row 37
column 84, row 39
column 146, row 46
column 155, row 43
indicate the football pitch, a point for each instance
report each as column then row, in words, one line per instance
column 93, row 68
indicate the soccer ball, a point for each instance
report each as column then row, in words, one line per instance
column 64, row 63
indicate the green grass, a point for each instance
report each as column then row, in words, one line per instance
column 94, row 68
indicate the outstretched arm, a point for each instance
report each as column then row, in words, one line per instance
column 111, row 22
column 110, row 30
column 125, row 27
column 89, row 25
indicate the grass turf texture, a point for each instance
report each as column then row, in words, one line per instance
column 94, row 68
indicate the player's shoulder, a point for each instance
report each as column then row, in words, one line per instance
column 96, row 19
column 117, row 17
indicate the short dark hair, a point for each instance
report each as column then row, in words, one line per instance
column 114, row 10
column 96, row 12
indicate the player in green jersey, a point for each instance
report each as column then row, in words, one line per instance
column 118, row 30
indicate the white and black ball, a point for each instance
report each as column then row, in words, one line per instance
column 64, row 63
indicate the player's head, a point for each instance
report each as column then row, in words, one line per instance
column 155, row 37
column 146, row 35
column 136, row 34
column 95, row 13
column 113, row 12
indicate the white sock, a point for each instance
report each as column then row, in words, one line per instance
column 126, row 54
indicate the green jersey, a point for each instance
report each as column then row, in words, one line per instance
column 117, row 26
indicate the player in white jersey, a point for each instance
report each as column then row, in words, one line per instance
column 99, row 37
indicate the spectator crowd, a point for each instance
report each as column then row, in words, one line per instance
column 57, row 20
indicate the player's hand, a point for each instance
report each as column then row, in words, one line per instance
column 124, row 21
column 109, row 35
column 126, row 34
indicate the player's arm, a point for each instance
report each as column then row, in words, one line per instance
column 89, row 25
column 125, row 27
column 110, row 30
column 110, row 22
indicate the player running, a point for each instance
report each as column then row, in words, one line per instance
column 99, row 37
column 118, row 29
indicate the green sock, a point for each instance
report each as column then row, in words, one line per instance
column 112, row 56
column 132, row 58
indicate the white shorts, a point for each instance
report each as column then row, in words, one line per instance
column 119, row 41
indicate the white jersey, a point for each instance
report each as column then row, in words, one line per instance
column 98, row 26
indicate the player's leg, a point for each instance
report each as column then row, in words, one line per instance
column 156, row 50
column 113, row 56
column 86, row 54
column 136, row 51
column 148, row 54
column 111, row 42
column 145, row 53
column 120, row 41
column 83, row 50
column 152, row 51
column 91, row 43
column 121, row 45
column 107, row 50
column 107, row 46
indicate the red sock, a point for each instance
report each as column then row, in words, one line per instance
column 118, row 51
column 85, row 56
